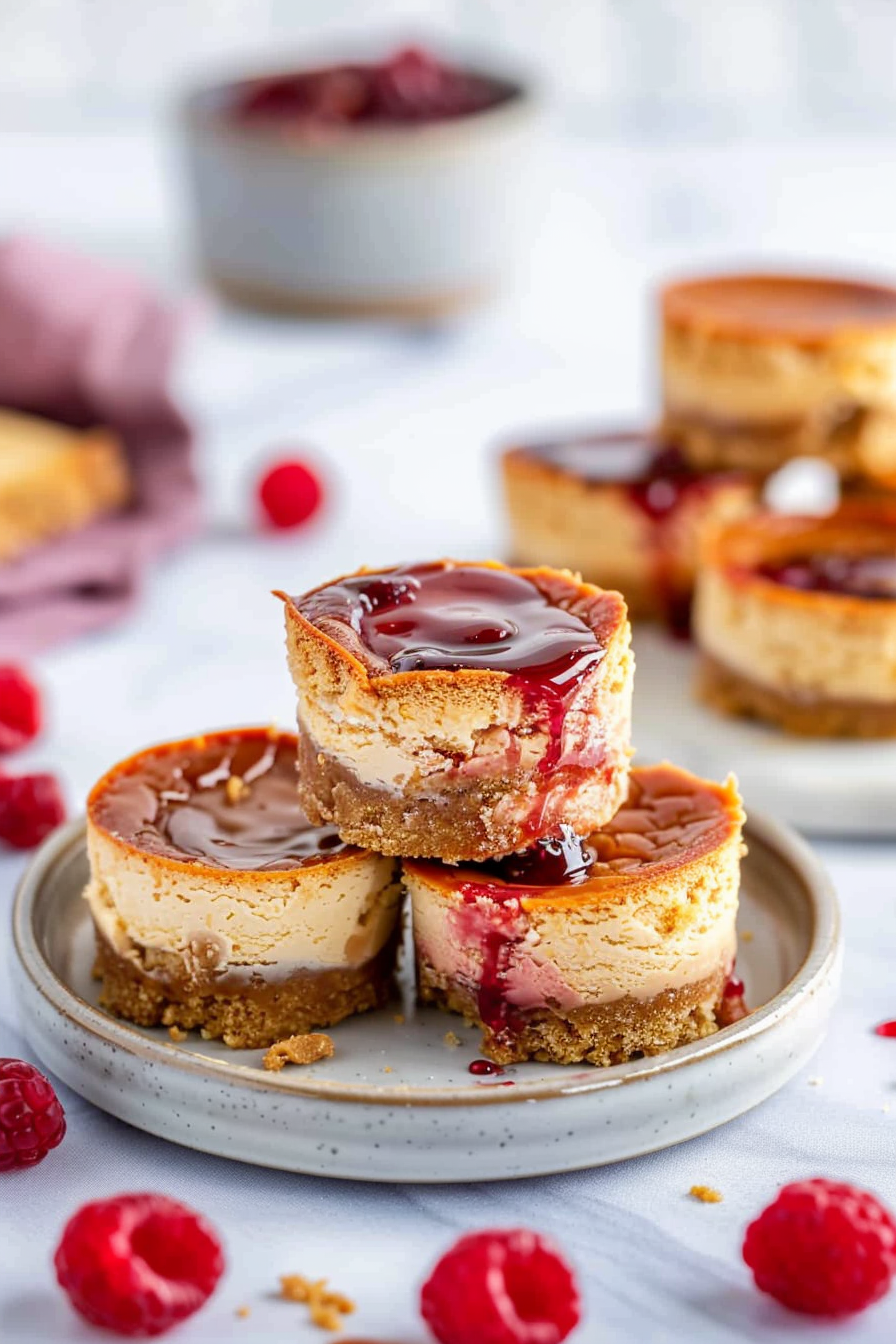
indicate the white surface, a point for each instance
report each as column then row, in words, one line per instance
column 824, row 787
column 397, row 1102
column 400, row 421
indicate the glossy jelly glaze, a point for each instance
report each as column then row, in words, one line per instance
column 228, row 799
column 410, row 87
column 869, row 576
column 448, row 617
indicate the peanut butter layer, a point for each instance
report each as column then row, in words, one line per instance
column 227, row 800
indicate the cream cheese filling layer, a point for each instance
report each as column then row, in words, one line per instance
column 567, row 957
column 319, row 917
column 814, row 647
column 769, row 381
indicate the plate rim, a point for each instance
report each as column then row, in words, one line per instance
column 775, row 837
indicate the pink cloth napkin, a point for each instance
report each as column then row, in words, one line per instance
column 89, row 345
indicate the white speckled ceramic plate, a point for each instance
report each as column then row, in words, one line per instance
column 823, row 787
column 397, row 1103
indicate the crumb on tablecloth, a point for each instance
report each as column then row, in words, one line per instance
column 307, row 1049
column 243, row 1313
column 452, row 1040
column 706, row 1194
column 325, row 1307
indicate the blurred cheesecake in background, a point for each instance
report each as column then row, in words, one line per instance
column 396, row 188
column 758, row 369
column 218, row 906
column 624, row 510
column 795, row 618
column 54, row 480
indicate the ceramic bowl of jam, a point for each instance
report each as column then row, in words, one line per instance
column 394, row 188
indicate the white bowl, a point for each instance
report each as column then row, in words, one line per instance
column 407, row 221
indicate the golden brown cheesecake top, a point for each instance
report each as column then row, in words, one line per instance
column 671, row 818
column 849, row 555
column 801, row 309
column 541, row 627
column 226, row 799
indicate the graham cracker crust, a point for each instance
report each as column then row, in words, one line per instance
column 247, row 1016
column 457, row 825
column 602, row 1034
column 734, row 694
column 844, row 437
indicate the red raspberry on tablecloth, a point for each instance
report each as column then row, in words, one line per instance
column 20, row 708
column 32, row 1120
column 31, row 806
column 138, row 1264
column 823, row 1248
column 501, row 1287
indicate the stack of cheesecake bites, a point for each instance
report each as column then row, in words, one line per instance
column 463, row 751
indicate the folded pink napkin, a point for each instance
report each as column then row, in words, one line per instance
column 86, row 344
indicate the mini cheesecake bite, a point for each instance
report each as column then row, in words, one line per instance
column 624, row 509
column 597, row 950
column 218, row 906
column 795, row 618
column 460, row 711
column 758, row 369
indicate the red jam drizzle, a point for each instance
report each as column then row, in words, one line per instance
column 887, row 1029
column 485, row 1068
column 733, row 1006
column 443, row 616
column 491, row 918
column 869, row 576
column 549, row 863
column 410, row 87
column 734, row 988
column 657, row 480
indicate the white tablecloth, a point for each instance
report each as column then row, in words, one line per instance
column 401, row 424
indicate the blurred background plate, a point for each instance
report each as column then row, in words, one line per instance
column 821, row 786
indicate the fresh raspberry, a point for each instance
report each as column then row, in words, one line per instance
column 289, row 493
column 20, row 709
column 31, row 807
column 138, row 1264
column 503, row 1287
column 823, row 1248
column 32, row 1120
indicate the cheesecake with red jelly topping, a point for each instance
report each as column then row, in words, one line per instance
column 460, row 711
column 795, row 618
column 218, row 906
column 758, row 369
column 599, row 950
column 622, row 508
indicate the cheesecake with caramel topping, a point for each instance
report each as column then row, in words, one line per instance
column 218, row 906
column 758, row 369
column 622, row 508
column 460, row 711
column 795, row 619
column 596, row 950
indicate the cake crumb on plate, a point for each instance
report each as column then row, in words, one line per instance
column 307, row 1049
